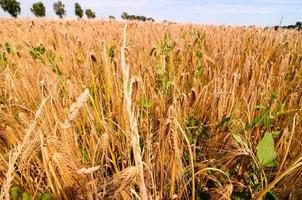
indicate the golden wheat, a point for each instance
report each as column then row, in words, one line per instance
column 94, row 110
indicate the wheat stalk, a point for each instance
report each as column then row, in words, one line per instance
column 132, row 120
column 15, row 153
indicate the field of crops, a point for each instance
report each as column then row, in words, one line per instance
column 101, row 110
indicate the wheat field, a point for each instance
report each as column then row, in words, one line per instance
column 104, row 110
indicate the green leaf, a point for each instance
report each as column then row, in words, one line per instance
column 199, row 55
column 271, row 195
column 259, row 107
column 224, row 120
column 266, row 151
column 275, row 134
column 8, row 48
column 47, row 196
column 191, row 141
column 259, row 118
column 15, row 192
column 38, row 196
column 37, row 52
column 145, row 103
column 198, row 72
column 26, row 196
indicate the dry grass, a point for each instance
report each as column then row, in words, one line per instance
column 163, row 111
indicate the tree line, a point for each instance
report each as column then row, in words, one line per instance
column 38, row 9
column 13, row 7
column 297, row 26
column 126, row 16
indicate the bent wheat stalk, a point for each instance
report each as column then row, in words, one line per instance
column 132, row 120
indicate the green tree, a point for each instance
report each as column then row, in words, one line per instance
column 143, row 18
column 59, row 9
column 38, row 9
column 111, row 17
column 89, row 13
column 11, row 6
column 125, row 15
column 150, row 19
column 78, row 10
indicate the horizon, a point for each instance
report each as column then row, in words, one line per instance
column 218, row 12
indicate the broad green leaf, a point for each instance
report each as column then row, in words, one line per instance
column 15, row 192
column 47, row 196
column 38, row 196
column 266, row 151
column 26, row 196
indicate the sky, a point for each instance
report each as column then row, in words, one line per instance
column 217, row 12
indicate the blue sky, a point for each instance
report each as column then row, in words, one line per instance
column 231, row 12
